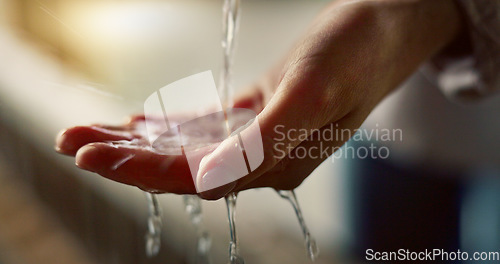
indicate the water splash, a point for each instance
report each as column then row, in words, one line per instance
column 153, row 235
column 310, row 242
column 234, row 257
column 192, row 205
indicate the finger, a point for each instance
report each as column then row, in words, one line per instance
column 70, row 140
column 139, row 167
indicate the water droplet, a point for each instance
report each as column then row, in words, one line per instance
column 153, row 235
column 192, row 204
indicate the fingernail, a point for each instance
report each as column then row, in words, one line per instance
column 61, row 144
column 82, row 156
column 219, row 180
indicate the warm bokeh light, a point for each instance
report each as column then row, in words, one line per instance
column 111, row 21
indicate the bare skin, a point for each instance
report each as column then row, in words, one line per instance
column 353, row 55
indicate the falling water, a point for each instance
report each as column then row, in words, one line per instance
column 192, row 205
column 153, row 236
column 234, row 257
column 231, row 10
column 312, row 249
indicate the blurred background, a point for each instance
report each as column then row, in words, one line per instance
column 73, row 62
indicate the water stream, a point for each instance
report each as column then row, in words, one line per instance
column 310, row 242
column 153, row 235
column 192, row 205
column 234, row 257
column 231, row 10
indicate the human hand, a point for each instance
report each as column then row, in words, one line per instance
column 353, row 55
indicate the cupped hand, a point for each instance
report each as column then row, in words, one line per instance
column 353, row 55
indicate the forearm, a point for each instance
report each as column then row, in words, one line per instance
column 416, row 31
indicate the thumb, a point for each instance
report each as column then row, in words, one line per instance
column 297, row 108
